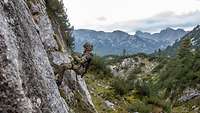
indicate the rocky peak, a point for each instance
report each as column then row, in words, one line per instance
column 170, row 30
column 120, row 32
column 197, row 27
column 143, row 34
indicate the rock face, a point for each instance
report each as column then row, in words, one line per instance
column 27, row 57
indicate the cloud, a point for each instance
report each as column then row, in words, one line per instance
column 158, row 22
column 102, row 18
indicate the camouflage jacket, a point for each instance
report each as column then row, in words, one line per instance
column 81, row 64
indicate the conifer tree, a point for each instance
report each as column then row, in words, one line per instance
column 57, row 13
column 184, row 49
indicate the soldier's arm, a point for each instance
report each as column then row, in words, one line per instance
column 80, row 59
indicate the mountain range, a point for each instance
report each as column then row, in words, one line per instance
column 194, row 35
column 106, row 43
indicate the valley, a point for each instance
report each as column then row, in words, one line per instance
column 142, row 83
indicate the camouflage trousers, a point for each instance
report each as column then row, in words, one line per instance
column 80, row 70
column 36, row 18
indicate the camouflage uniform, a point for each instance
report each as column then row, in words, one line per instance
column 35, row 12
column 80, row 65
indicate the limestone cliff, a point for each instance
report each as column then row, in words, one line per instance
column 27, row 59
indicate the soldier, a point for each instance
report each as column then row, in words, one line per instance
column 80, row 64
column 35, row 10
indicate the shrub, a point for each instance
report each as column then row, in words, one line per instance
column 99, row 69
column 139, row 106
column 121, row 86
column 180, row 72
column 150, row 104
column 143, row 88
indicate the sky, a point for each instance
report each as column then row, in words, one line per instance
column 133, row 15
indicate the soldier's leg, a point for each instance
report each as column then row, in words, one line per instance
column 67, row 66
column 80, row 70
column 59, row 80
column 36, row 21
column 61, row 72
column 36, row 18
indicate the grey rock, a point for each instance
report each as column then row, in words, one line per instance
column 59, row 57
column 73, row 84
column 27, row 80
column 84, row 91
column 127, row 65
column 46, row 30
column 188, row 94
column 109, row 104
